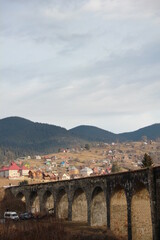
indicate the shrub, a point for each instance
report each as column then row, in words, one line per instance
column 25, row 182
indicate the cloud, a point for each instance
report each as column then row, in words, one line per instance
column 125, row 9
column 81, row 62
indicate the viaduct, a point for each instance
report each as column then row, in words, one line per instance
column 128, row 203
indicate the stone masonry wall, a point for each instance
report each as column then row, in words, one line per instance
column 118, row 213
column 141, row 216
column 113, row 200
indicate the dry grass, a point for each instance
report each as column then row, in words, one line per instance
column 51, row 229
column 33, row 230
column 6, row 182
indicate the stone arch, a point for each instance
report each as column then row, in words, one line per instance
column 79, row 206
column 34, row 202
column 141, row 213
column 21, row 197
column 21, row 201
column 48, row 200
column 118, row 213
column 98, row 208
column 62, row 204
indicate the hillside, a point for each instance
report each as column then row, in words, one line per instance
column 19, row 136
column 151, row 132
column 90, row 133
column 26, row 137
column 93, row 134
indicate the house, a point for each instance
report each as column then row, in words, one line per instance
column 95, row 170
column 54, row 164
column 65, row 176
column 53, row 157
column 13, row 171
column 24, row 171
column 63, row 164
column 75, row 176
column 86, row 171
column 35, row 174
column 73, row 170
column 48, row 176
column 47, row 162
column 4, row 172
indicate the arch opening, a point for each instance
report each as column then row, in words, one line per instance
column 118, row 213
column 34, row 202
column 62, row 205
column 79, row 206
column 141, row 214
column 21, row 201
column 21, row 197
column 98, row 208
column 48, row 200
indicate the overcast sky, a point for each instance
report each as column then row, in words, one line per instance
column 74, row 62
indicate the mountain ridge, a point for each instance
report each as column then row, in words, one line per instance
column 152, row 132
column 23, row 136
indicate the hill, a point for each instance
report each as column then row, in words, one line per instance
column 152, row 132
column 26, row 137
column 93, row 134
column 19, row 136
column 90, row 133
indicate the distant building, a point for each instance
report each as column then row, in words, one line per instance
column 24, row 171
column 86, row 171
column 13, row 171
column 54, row 164
column 63, row 164
column 73, row 171
column 65, row 176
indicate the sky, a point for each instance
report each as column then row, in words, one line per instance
column 81, row 62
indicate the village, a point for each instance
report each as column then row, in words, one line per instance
column 72, row 163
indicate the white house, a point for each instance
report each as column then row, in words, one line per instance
column 65, row 176
column 24, row 171
column 86, row 171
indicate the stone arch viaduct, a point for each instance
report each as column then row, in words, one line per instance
column 128, row 203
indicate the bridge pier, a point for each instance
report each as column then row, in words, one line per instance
column 89, row 212
column 129, row 218
column 108, row 206
column 69, row 210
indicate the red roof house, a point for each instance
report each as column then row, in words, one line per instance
column 13, row 171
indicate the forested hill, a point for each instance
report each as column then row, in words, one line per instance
column 93, row 134
column 152, row 132
column 24, row 136
column 21, row 136
column 96, row 134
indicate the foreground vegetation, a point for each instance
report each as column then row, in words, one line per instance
column 49, row 228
